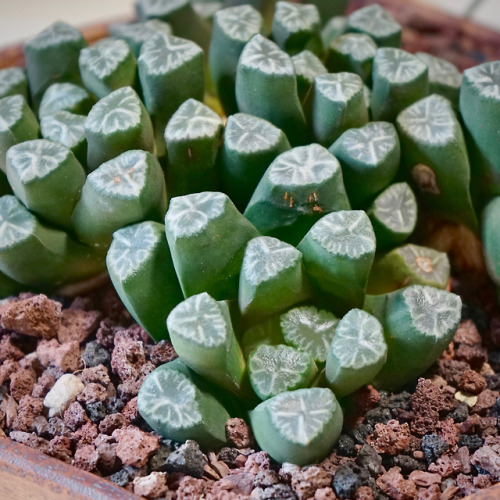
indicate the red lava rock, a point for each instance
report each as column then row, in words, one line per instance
column 474, row 355
column 463, row 456
column 43, row 386
column 128, row 357
column 37, row 316
column 96, row 374
column 152, row 486
column 467, row 333
column 9, row 407
column 486, row 458
column 448, row 432
column 7, row 368
column 472, row 382
column 112, row 422
column 256, row 462
column 31, row 440
column 162, row 352
column 106, row 449
column 433, row 492
column 396, row 486
column 449, row 492
column 238, row 433
column 130, row 411
column 446, row 466
column 22, row 383
column 85, row 434
column 8, row 351
column 60, row 448
column 106, row 333
column 86, row 458
column 190, row 487
column 306, row 481
column 93, row 393
column 75, row 416
column 64, row 356
column 134, row 446
column 29, row 408
column 391, row 438
column 451, row 370
column 77, row 325
column 425, row 479
column 485, row 401
column 31, row 362
column 362, row 493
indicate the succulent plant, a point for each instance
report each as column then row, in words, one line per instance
column 282, row 271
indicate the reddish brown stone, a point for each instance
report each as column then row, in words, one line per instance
column 306, row 481
column 29, row 408
column 446, row 466
column 485, row 401
column 130, row 411
column 451, row 370
column 329, row 494
column 37, row 316
column 7, row 368
column 257, row 462
column 425, row 479
column 43, row 386
column 152, row 486
column 31, row 440
column 467, row 333
column 432, row 492
column 362, row 493
column 472, row 382
column 22, row 383
column 112, row 422
column 86, row 458
column 448, row 432
column 85, row 434
column 474, row 355
column 96, row 374
column 9, row 408
column 128, row 357
column 8, row 351
column 77, row 325
column 396, row 486
column 238, row 433
column 162, row 352
column 488, row 460
column 190, row 487
column 66, row 356
column 108, row 459
column 391, row 438
column 60, row 448
column 75, row 416
column 462, row 455
column 134, row 446
column 93, row 393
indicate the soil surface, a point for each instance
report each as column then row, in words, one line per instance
column 70, row 371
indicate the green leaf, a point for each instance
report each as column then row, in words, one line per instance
column 13, row 81
column 299, row 427
column 357, row 353
column 307, row 67
column 65, row 97
column 491, row 239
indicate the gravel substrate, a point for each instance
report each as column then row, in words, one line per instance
column 70, row 371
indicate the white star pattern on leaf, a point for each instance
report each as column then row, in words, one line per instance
column 11, row 111
column 16, row 223
column 249, row 134
column 104, row 57
column 486, row 79
column 263, row 55
column 239, row 23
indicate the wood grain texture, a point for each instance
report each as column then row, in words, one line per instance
column 27, row 474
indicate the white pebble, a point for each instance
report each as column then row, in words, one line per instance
column 63, row 394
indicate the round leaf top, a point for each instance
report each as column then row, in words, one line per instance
column 427, row 262
column 120, row 110
column 122, row 177
column 397, row 208
column 240, row 22
column 56, row 34
column 168, row 397
column 359, row 340
column 339, row 87
column 16, row 223
column 131, row 247
column 162, row 53
column 11, row 111
column 193, row 120
column 36, row 159
column 485, row 78
column 10, row 77
column 62, row 96
column 371, row 143
column 198, row 319
column 357, row 45
column 301, row 416
column 398, row 66
column 309, row 330
column 250, row 134
column 159, row 8
column 430, row 120
column 374, row 20
column 104, row 57
column 347, row 233
column 441, row 71
column 191, row 214
column 263, row 55
column 295, row 17
column 64, row 127
column 266, row 257
column 138, row 33
column 433, row 311
column 303, row 166
column 308, row 65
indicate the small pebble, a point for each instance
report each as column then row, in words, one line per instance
column 96, row 411
column 63, row 394
column 345, row 446
column 152, row 486
column 95, row 354
column 472, row 442
column 369, row 459
column 348, row 478
column 187, row 459
column 433, row 447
